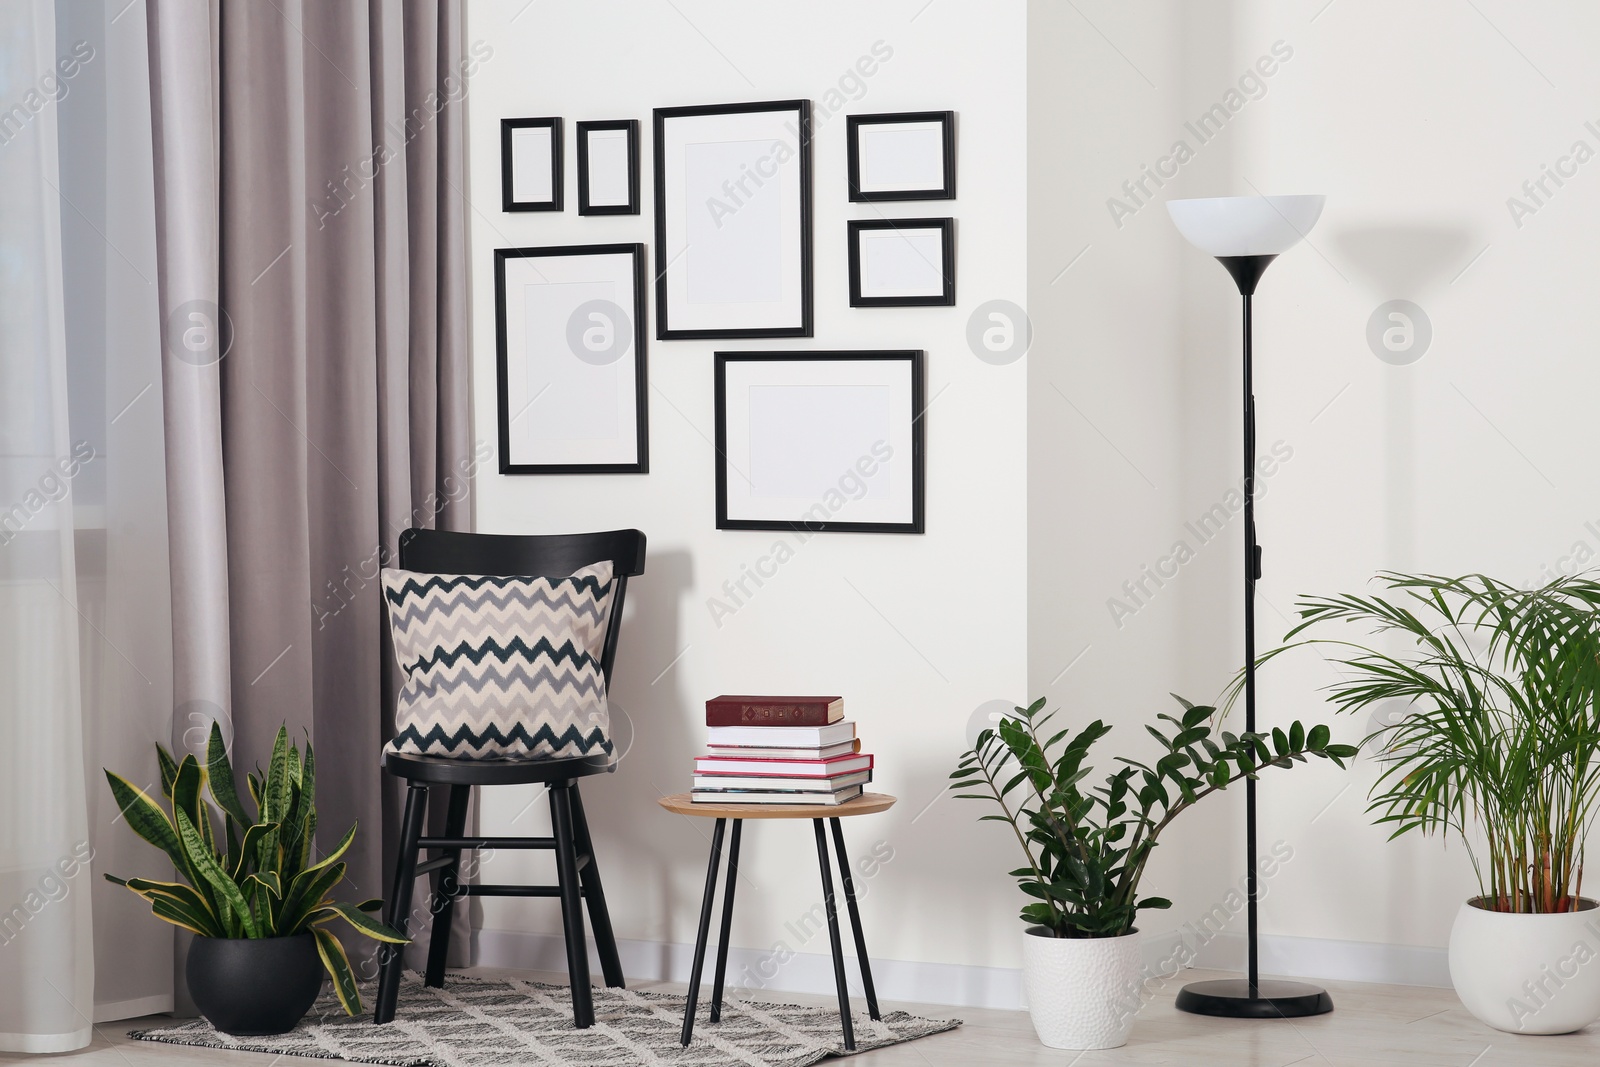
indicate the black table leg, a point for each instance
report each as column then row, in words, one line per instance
column 727, row 923
column 855, row 920
column 833, row 937
column 705, row 929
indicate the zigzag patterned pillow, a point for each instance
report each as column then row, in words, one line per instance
column 500, row 667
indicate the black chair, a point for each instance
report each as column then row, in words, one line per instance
column 577, row 876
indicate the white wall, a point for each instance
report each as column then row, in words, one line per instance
column 1475, row 458
column 1418, row 121
column 1113, row 449
column 916, row 632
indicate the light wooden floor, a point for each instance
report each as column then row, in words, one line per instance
column 1372, row 1026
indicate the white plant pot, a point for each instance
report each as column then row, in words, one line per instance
column 1528, row 974
column 1083, row 993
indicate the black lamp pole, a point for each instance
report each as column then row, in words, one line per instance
column 1251, row 998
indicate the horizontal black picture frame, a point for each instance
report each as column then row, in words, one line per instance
column 820, row 441
column 936, row 169
column 920, row 254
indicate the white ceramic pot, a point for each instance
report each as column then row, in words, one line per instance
column 1083, row 992
column 1528, row 974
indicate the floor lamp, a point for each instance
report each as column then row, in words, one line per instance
column 1245, row 234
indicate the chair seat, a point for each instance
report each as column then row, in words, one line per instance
column 443, row 770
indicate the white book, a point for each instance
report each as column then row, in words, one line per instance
column 743, row 796
column 782, row 736
column 843, row 748
column 799, row 785
column 815, row 769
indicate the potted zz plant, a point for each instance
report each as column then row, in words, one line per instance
column 1087, row 847
column 255, row 895
column 1489, row 730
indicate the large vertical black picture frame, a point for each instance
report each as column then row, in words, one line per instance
column 547, row 265
column 725, row 197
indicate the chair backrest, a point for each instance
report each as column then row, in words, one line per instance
column 534, row 556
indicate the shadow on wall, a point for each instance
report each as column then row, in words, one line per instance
column 1405, row 261
column 1403, row 266
column 628, row 825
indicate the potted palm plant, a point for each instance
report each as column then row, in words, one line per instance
column 254, row 893
column 1087, row 848
column 1500, row 747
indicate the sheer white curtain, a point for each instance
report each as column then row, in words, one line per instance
column 114, row 402
column 46, row 962
column 85, row 634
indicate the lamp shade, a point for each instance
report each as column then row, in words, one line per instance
column 1245, row 225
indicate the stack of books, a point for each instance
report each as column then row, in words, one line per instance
column 780, row 750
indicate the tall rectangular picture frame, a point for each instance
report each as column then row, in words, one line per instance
column 530, row 164
column 608, row 167
column 571, row 370
column 733, row 220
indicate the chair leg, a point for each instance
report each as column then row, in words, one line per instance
column 833, row 938
column 571, row 906
column 855, row 920
column 727, row 923
column 706, row 904
column 392, row 957
column 599, row 915
column 443, row 904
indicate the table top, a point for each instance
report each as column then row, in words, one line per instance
column 865, row 804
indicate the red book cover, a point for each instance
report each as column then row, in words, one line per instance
column 773, row 711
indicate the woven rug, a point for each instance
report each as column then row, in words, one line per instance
column 474, row 1022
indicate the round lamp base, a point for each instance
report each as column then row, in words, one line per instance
column 1230, row 998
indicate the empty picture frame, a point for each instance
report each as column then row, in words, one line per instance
column 530, row 164
column 909, row 155
column 608, row 167
column 733, row 220
column 570, row 348
column 902, row 263
column 820, row 441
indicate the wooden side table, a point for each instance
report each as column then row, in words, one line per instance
column 866, row 804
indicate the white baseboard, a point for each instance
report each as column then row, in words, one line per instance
column 802, row 972
column 1349, row 961
column 132, row 1009
column 973, row 987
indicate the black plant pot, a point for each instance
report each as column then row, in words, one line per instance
column 253, row 987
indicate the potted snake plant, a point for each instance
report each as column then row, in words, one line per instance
column 1488, row 702
column 1087, row 847
column 253, row 892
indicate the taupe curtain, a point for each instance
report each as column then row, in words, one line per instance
column 309, row 178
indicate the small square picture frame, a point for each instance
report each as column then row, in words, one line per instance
column 902, row 263
column 571, row 371
column 820, row 441
column 608, row 167
column 530, row 164
column 904, row 155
